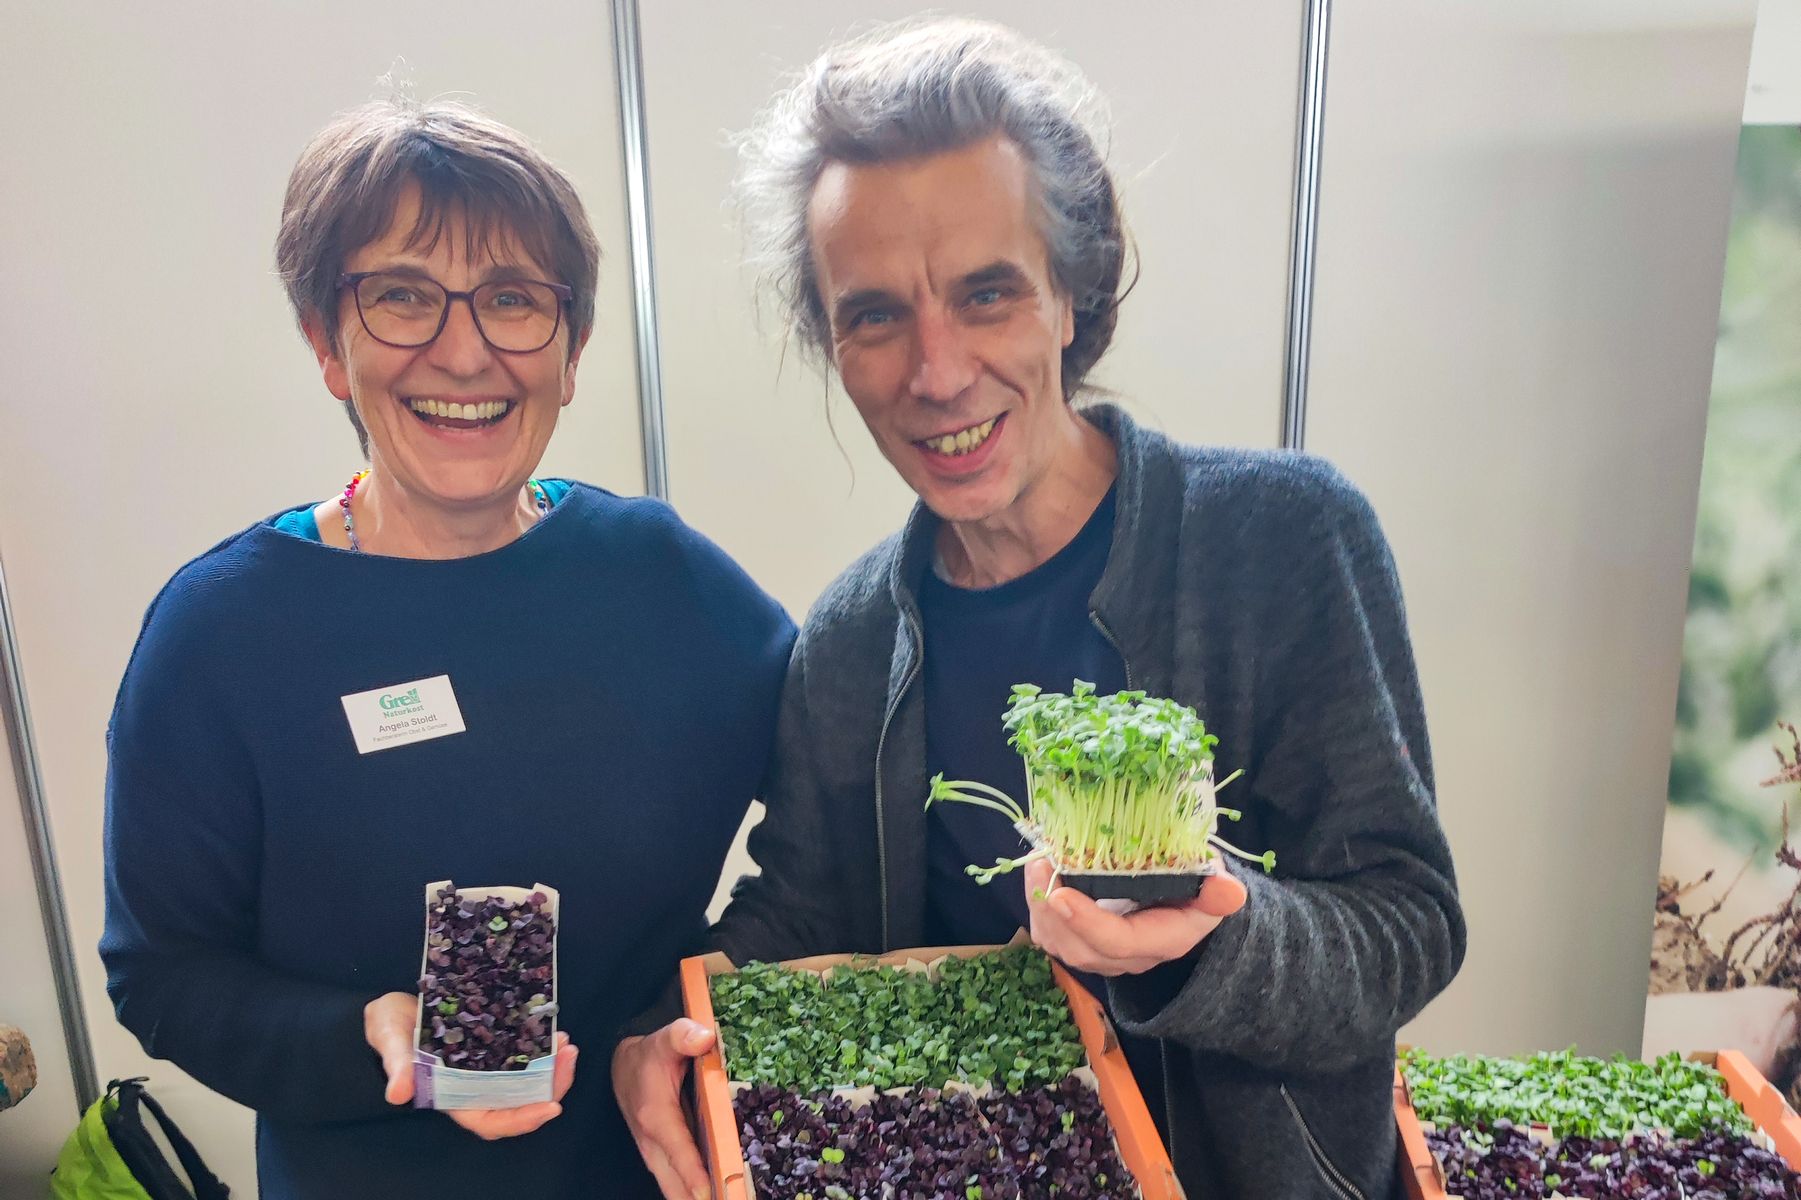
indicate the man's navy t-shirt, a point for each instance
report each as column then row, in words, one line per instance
column 978, row 644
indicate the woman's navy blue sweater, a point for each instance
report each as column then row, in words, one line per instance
column 618, row 676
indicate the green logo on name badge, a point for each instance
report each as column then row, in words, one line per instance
column 406, row 700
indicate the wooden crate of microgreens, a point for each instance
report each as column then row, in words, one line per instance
column 1777, row 1125
column 1105, row 1072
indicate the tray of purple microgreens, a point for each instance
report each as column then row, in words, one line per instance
column 1564, row 1125
column 487, row 997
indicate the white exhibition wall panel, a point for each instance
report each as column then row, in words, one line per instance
column 32, row 1132
column 155, row 396
column 1521, row 249
column 1773, row 95
column 1203, row 101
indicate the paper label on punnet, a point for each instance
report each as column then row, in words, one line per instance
column 446, row 1088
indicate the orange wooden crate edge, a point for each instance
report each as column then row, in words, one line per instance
column 1134, row 1131
column 712, row 1095
column 1744, row 1083
column 1139, row 1144
column 1761, row 1102
column 1421, row 1177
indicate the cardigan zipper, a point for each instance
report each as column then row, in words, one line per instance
column 1332, row 1175
column 881, row 823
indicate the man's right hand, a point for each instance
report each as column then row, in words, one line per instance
column 648, row 1073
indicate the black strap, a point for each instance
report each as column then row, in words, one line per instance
column 125, row 1125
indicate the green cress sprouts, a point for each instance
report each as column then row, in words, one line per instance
column 1117, row 783
column 1574, row 1095
column 996, row 1018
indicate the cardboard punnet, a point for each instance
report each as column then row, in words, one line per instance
column 1424, row 1179
column 438, row 1085
column 1140, row 1146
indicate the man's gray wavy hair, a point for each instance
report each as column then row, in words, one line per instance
column 925, row 87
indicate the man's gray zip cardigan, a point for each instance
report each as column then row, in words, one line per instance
column 1257, row 587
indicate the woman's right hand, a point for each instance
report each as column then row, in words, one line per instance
column 648, row 1073
column 388, row 1026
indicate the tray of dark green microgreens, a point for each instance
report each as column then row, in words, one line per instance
column 966, row 1079
column 1565, row 1125
column 996, row 1018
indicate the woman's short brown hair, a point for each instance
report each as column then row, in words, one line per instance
column 345, row 189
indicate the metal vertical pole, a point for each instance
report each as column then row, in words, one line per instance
column 1304, row 238
column 628, row 66
column 30, row 781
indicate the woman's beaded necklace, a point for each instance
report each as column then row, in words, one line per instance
column 532, row 485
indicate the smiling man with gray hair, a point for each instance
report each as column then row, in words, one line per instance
column 935, row 214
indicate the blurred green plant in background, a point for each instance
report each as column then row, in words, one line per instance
column 1741, row 657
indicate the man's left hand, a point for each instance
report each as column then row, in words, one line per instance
column 1081, row 934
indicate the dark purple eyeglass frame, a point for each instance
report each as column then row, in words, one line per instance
column 564, row 293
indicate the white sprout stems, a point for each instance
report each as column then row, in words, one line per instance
column 1002, row 866
column 1263, row 860
column 979, row 786
column 954, row 790
column 1011, row 814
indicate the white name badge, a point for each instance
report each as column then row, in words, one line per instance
column 383, row 718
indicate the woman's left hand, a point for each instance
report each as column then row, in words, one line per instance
column 1077, row 931
column 388, row 1028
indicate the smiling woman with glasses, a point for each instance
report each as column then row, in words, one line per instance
column 272, row 826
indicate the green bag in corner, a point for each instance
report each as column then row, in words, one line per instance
column 111, row 1155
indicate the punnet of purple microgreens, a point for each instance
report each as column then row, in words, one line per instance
column 1505, row 1163
column 922, row 1144
column 489, row 987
